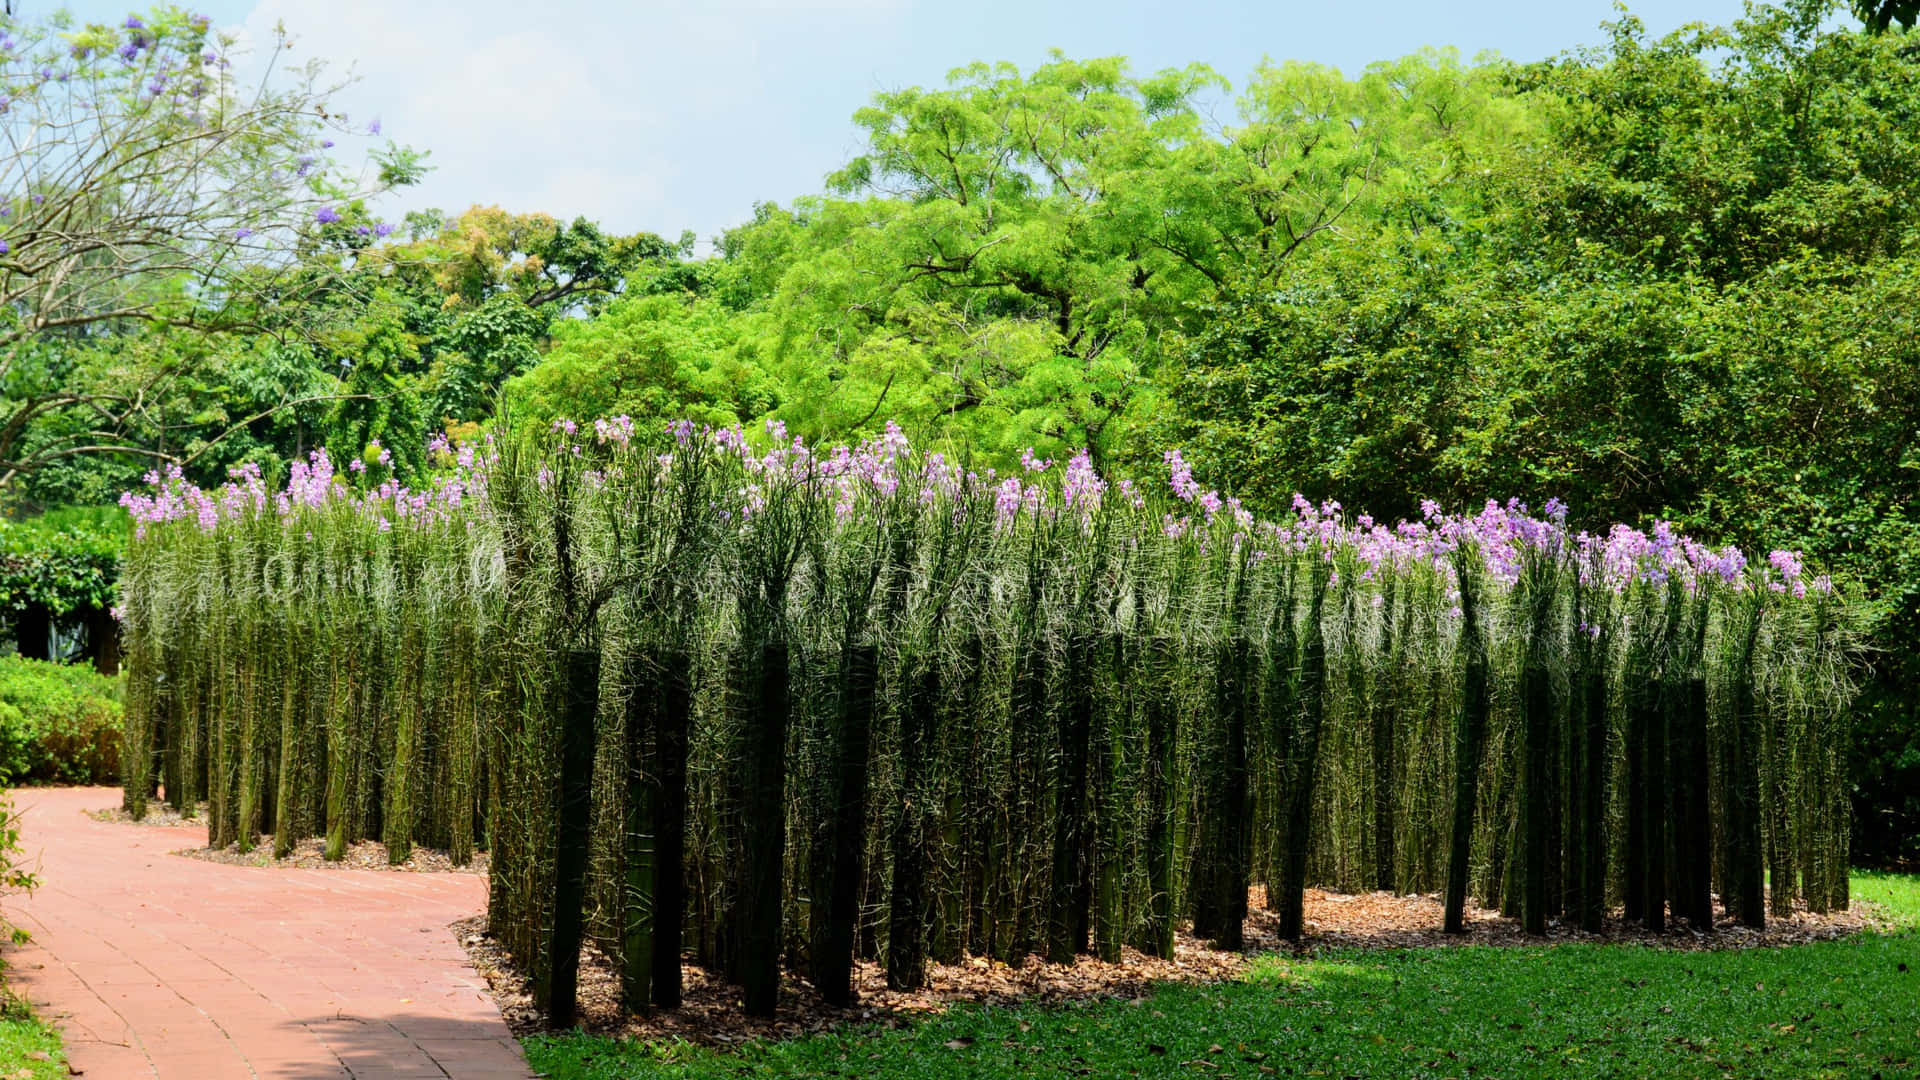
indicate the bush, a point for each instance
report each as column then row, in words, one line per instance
column 59, row 723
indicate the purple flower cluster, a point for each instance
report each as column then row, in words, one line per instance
column 1503, row 538
column 312, row 485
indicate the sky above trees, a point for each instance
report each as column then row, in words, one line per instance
column 666, row 117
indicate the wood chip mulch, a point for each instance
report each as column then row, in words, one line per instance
column 710, row 1013
column 307, row 855
column 365, row 855
column 158, row 813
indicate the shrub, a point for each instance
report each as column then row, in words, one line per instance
column 59, row 723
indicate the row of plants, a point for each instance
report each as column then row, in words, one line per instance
column 757, row 702
column 57, row 574
column 59, row 723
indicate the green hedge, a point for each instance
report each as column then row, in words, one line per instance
column 59, row 723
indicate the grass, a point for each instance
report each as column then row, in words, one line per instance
column 1827, row 1009
column 29, row 1047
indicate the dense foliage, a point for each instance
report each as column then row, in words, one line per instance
column 871, row 701
column 1660, row 278
column 59, row 723
column 57, row 575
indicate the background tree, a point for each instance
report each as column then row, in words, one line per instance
column 1881, row 14
column 146, row 183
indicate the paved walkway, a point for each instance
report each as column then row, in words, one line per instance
column 158, row 966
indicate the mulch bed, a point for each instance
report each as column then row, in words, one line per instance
column 365, row 855
column 158, row 813
column 710, row 1013
column 306, row 855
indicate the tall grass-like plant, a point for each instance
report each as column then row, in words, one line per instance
column 700, row 693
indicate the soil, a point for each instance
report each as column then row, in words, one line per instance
column 158, row 813
column 710, row 1011
column 365, row 855
column 307, row 855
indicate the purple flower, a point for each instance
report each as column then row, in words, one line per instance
column 363, row 230
column 326, row 144
column 382, row 229
column 373, row 128
column 326, row 215
column 134, row 23
column 242, row 234
column 5, row 247
column 1181, row 476
column 129, row 52
column 1082, row 486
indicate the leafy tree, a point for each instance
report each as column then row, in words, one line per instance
column 1881, row 14
column 1683, row 297
column 659, row 357
column 158, row 189
column 1003, row 264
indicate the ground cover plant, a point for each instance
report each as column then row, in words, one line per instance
column 757, row 702
column 1826, row 1009
column 59, row 723
column 29, row 1047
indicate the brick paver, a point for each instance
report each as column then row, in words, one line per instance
column 158, row 966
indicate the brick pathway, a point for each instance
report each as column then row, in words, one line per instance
column 157, row 966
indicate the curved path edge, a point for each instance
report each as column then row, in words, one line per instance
column 153, row 965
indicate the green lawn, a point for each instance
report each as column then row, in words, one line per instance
column 1845, row 1008
column 21, row 1037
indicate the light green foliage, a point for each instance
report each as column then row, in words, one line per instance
column 65, row 561
column 652, row 357
column 59, row 723
column 1002, row 267
column 1675, row 289
column 1828, row 1009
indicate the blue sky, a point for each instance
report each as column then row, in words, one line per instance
column 657, row 116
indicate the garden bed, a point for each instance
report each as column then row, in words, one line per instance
column 306, row 855
column 365, row 855
column 710, row 1013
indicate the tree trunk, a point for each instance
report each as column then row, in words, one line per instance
column 1304, row 761
column 33, row 632
column 1651, row 721
column 103, row 640
column 639, row 836
column 1070, row 895
column 908, row 907
column 559, row 993
column 840, row 867
column 1470, row 732
column 1163, row 736
column 764, row 830
column 1593, row 908
column 673, row 724
column 1536, row 793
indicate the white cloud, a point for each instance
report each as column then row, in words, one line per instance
column 642, row 116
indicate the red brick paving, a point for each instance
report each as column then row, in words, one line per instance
column 158, row 966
